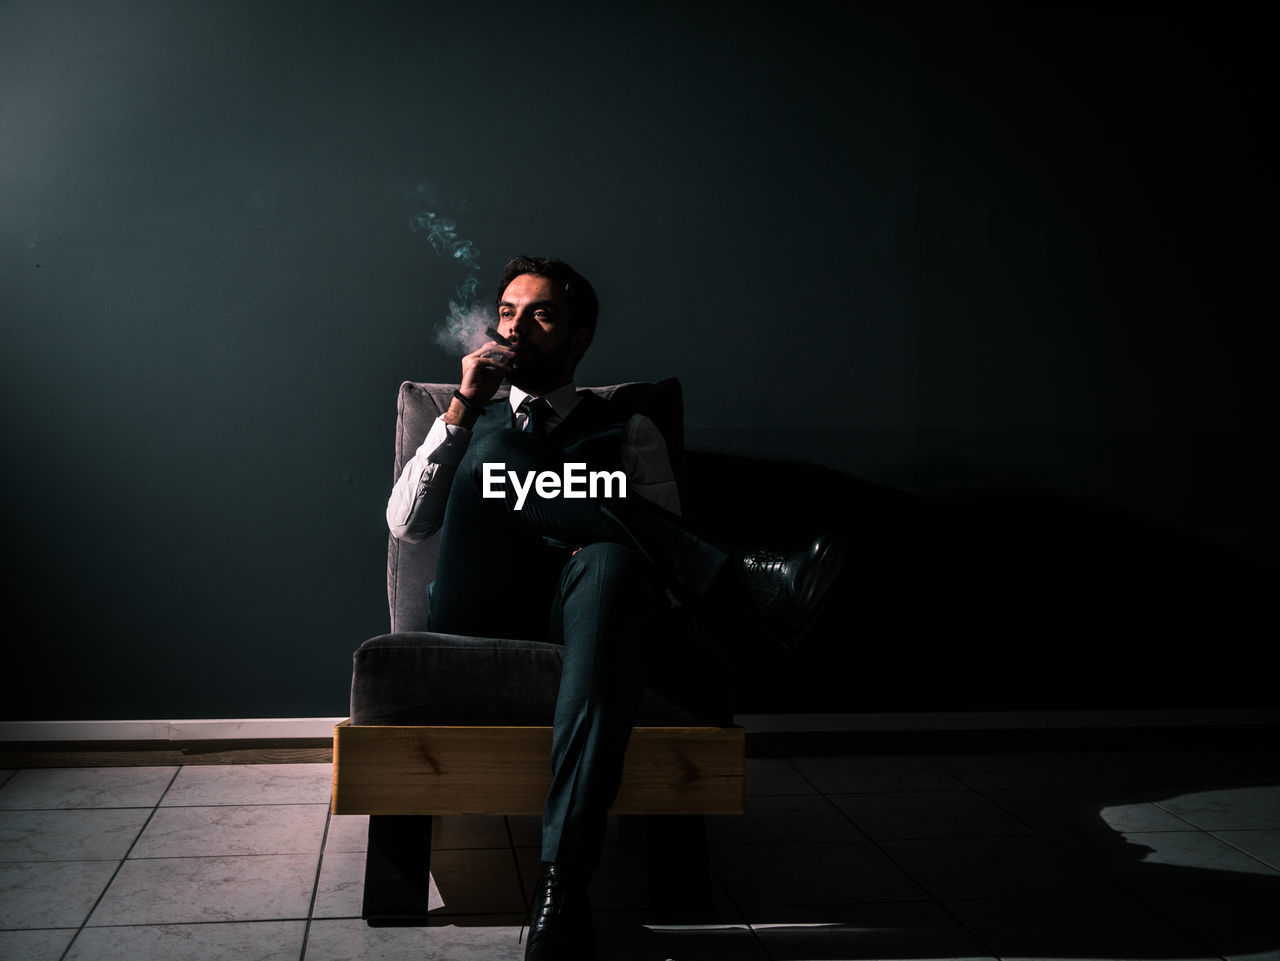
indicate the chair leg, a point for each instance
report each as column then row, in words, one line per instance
column 397, row 870
column 679, row 870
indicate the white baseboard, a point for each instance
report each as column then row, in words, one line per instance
column 212, row 729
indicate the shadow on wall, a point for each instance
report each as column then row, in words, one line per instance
column 1001, row 599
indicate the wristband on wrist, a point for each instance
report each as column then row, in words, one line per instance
column 468, row 404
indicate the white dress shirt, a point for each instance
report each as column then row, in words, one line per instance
column 416, row 506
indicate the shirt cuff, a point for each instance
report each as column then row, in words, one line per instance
column 445, row 443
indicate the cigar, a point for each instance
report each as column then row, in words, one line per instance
column 492, row 334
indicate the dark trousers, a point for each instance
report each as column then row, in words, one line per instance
column 497, row 576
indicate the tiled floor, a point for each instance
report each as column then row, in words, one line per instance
column 1156, row 855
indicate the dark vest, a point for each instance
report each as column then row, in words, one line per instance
column 591, row 434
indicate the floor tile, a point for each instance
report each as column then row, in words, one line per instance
column 5, row 775
column 200, row 785
column 85, row 787
column 1088, row 810
column 35, row 945
column 51, row 894
column 340, row 892
column 526, row 830
column 782, row 874
column 1091, row 926
column 621, row 883
column 350, row 832
column 70, row 834
column 1204, row 766
column 622, row 936
column 929, row 814
column 1017, row 770
column 784, row 819
column 1136, row 768
column 775, row 775
column 228, row 941
column 1263, row 845
column 223, row 830
column 477, row 882
column 992, row 867
column 1223, row 809
column 1125, row 866
column 347, row 833
column 1262, row 764
column 853, row 775
column 1169, row 861
column 627, row 936
column 1236, row 924
column 469, row 832
column 618, row 883
column 177, row 890
column 910, row 930
column 353, row 940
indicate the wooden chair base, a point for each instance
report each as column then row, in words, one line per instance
column 402, row 776
column 385, row 769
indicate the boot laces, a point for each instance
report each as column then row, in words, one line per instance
column 548, row 890
column 764, row 561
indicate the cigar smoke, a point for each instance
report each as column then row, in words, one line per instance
column 462, row 331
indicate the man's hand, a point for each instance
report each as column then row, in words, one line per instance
column 482, row 373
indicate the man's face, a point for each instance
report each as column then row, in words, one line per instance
column 535, row 316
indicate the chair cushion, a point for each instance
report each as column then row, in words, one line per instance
column 428, row 678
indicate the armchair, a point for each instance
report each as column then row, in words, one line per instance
column 448, row 725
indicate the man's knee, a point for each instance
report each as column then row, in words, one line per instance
column 608, row 563
column 607, row 556
column 610, row 603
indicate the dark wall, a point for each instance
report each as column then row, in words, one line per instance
column 974, row 253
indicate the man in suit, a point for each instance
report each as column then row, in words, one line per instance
column 595, row 574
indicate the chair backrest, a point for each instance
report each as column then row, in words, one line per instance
column 411, row 567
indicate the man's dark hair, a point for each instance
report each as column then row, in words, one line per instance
column 578, row 293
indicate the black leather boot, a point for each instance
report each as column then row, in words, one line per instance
column 560, row 927
column 786, row 590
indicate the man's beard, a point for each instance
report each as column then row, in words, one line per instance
column 539, row 372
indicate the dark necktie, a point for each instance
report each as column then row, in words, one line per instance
column 536, row 411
